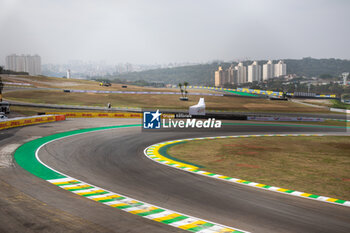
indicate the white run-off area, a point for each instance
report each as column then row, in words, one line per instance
column 6, row 159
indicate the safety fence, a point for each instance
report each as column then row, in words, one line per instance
column 141, row 92
column 23, row 121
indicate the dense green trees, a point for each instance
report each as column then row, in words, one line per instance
column 204, row 74
column 3, row 71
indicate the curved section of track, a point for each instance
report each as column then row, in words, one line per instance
column 27, row 157
column 114, row 160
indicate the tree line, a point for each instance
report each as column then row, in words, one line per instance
column 203, row 74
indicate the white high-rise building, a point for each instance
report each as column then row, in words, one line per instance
column 225, row 77
column 280, row 69
column 24, row 63
column 345, row 78
column 219, row 77
column 268, row 70
column 231, row 75
column 241, row 73
column 129, row 68
column 254, row 72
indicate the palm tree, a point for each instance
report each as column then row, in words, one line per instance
column 185, row 85
column 180, row 86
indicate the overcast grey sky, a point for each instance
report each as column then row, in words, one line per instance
column 162, row 31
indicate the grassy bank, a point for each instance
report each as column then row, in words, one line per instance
column 158, row 101
column 81, row 84
column 317, row 165
column 338, row 104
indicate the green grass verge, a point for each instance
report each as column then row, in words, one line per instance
column 225, row 103
column 339, row 104
column 241, row 93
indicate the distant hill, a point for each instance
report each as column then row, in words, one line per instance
column 204, row 74
column 311, row 67
column 197, row 74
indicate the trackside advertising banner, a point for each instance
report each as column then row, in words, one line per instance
column 23, row 121
column 99, row 114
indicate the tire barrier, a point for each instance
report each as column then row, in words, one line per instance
column 154, row 152
column 27, row 157
column 23, row 121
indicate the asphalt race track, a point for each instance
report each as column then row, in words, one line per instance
column 114, row 160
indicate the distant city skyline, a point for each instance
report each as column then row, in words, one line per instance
column 79, row 68
column 164, row 31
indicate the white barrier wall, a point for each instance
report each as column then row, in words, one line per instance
column 339, row 110
column 253, row 118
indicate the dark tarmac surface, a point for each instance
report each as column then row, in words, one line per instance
column 114, row 160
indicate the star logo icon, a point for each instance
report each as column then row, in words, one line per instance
column 151, row 120
column 155, row 115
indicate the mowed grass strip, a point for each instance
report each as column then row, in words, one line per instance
column 317, row 165
column 158, row 101
column 82, row 84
